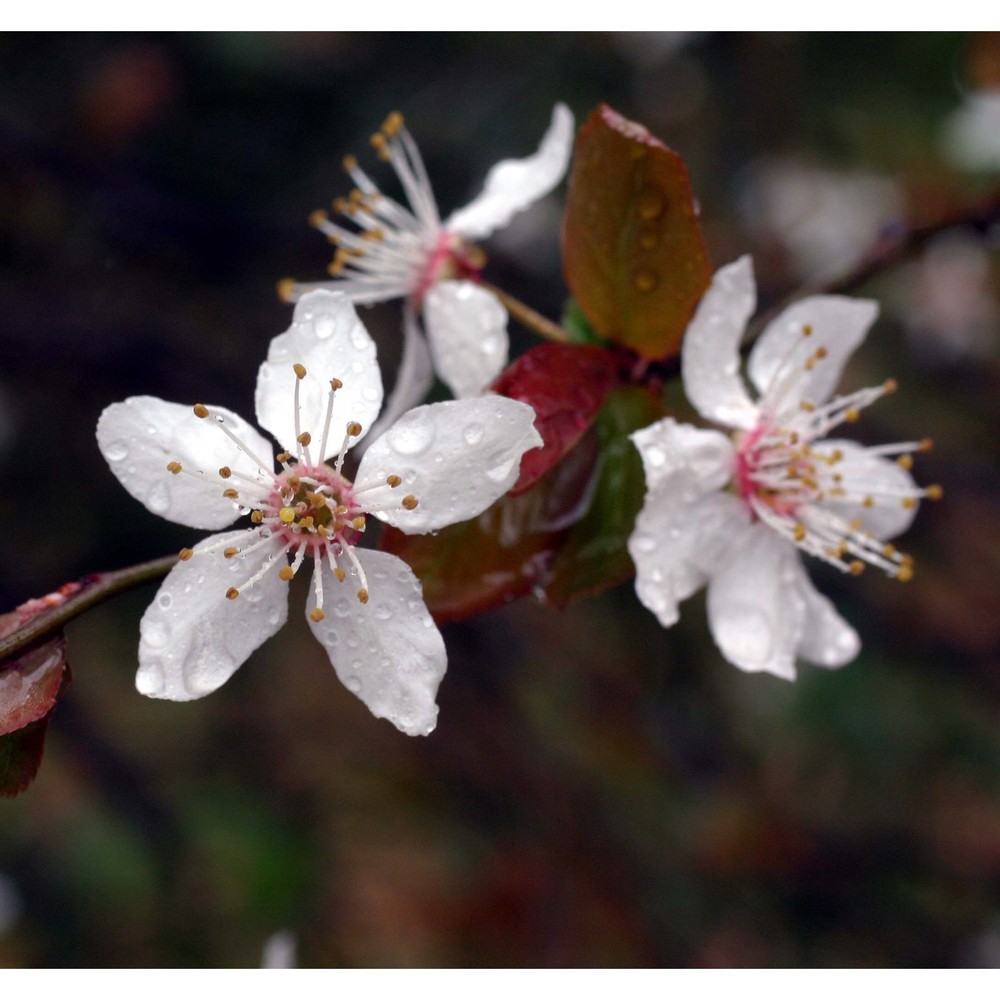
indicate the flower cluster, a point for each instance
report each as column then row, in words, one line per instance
column 732, row 511
column 203, row 466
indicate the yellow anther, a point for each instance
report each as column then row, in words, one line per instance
column 889, row 386
column 905, row 461
column 174, row 467
column 350, row 163
column 926, row 444
column 358, row 524
column 855, row 525
column 286, row 289
column 232, row 593
column 909, row 502
column 807, row 330
column 906, row 560
column 230, row 494
column 807, row 406
column 810, row 364
column 904, row 573
column 340, row 509
column 283, row 456
column 381, row 145
column 340, row 205
column 317, row 218
column 857, row 567
column 323, row 531
column 300, row 370
column 354, row 428
column 200, row 410
column 286, row 515
column 336, row 384
column 304, row 438
column 820, row 353
column 393, row 123
column 225, row 472
column 185, row 554
column 799, row 533
column 317, row 614
column 888, row 550
column 410, row 502
column 230, row 552
column 868, row 502
column 934, row 492
column 294, row 482
column 257, row 516
column 285, row 573
column 363, row 595
column 852, row 415
column 340, row 574
column 306, row 522
column 393, row 481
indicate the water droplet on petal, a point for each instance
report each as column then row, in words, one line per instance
column 150, row 680
column 158, row 498
column 324, row 327
column 473, row 433
column 342, row 608
column 165, row 600
column 116, row 451
column 353, row 684
column 410, row 437
column 155, row 632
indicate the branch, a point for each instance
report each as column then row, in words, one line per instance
column 527, row 316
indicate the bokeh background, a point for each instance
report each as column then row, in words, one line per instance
column 599, row 791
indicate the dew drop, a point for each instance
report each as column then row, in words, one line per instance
column 165, row 600
column 151, row 679
column 643, row 543
column 274, row 616
column 342, row 608
column 383, row 613
column 116, row 451
column 499, row 472
column 473, row 433
column 651, row 204
column 353, row 641
column 324, row 327
column 155, row 632
column 648, row 239
column 410, row 437
column 353, row 684
column 359, row 338
column 644, row 280
column 158, row 498
column 369, row 393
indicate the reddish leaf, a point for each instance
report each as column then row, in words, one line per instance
column 476, row 565
column 20, row 757
column 566, row 384
column 30, row 684
column 594, row 554
column 633, row 251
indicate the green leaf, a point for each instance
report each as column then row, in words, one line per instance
column 594, row 555
column 633, row 251
column 576, row 324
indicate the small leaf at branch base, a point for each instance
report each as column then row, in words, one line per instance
column 476, row 565
column 594, row 555
column 566, row 384
column 30, row 683
column 20, row 756
column 633, row 251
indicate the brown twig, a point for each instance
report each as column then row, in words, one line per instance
column 527, row 316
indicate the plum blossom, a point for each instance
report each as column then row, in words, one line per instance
column 732, row 511
column 399, row 252
column 317, row 393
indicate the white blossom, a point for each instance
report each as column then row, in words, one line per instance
column 317, row 393
column 733, row 511
column 395, row 251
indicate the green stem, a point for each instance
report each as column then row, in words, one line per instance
column 94, row 590
column 527, row 316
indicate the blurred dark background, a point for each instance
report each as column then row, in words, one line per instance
column 599, row 791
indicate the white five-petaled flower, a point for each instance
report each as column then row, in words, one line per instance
column 397, row 252
column 731, row 511
column 317, row 393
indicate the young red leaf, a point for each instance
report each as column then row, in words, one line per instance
column 470, row 567
column 566, row 384
column 633, row 251
column 594, row 554
column 20, row 757
column 30, row 684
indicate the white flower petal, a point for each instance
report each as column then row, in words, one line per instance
column 414, row 378
column 710, row 354
column 871, row 475
column 140, row 436
column 667, row 447
column 779, row 357
column 193, row 637
column 455, row 457
column 326, row 337
column 827, row 640
column 388, row 652
column 512, row 185
column 676, row 545
column 755, row 610
column 467, row 332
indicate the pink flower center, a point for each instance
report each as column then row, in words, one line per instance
column 452, row 259
column 314, row 505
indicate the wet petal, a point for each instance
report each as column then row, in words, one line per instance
column 755, row 609
column 677, row 545
column 710, row 355
column 827, row 640
column 467, row 331
column 142, row 435
column 326, row 337
column 455, row 457
column 388, row 652
column 667, row 447
column 868, row 475
column 777, row 362
column 193, row 638
column 513, row 185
